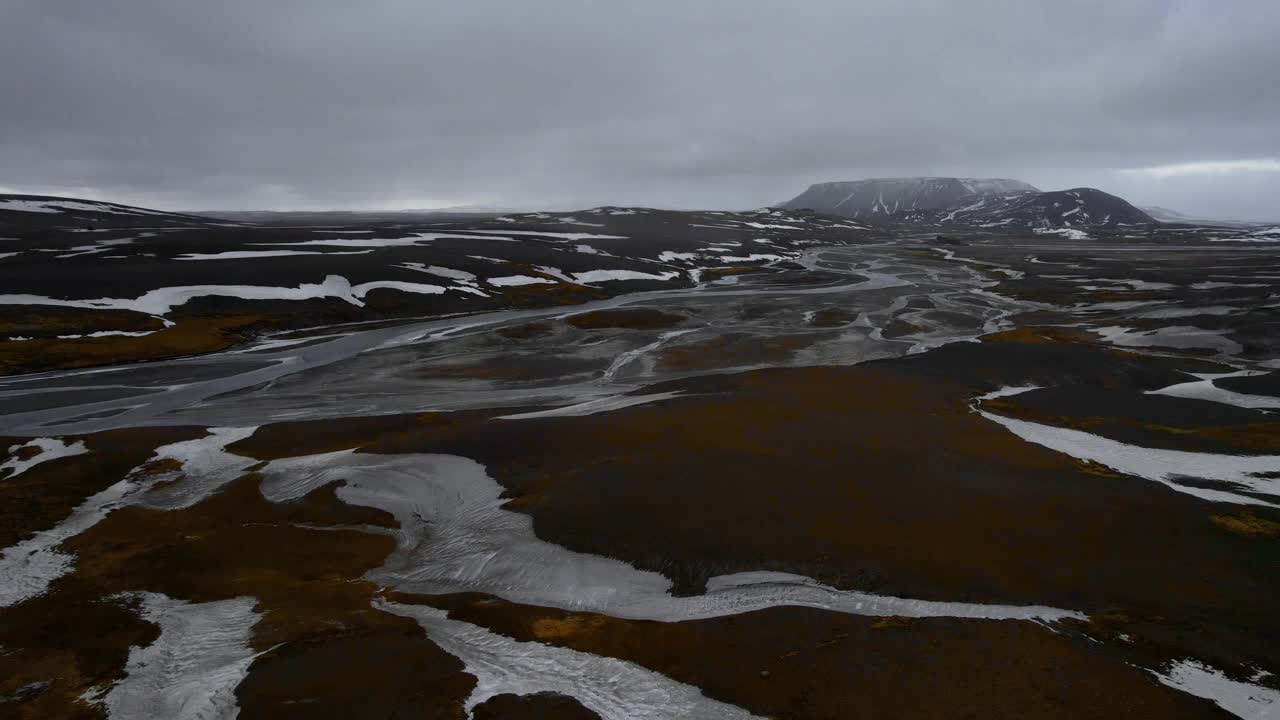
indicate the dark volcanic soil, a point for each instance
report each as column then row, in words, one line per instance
column 715, row 411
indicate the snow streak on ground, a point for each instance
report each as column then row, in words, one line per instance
column 613, row 689
column 1247, row 474
column 49, row 449
column 1204, row 389
column 28, row 568
column 1244, row 700
column 191, row 671
column 162, row 300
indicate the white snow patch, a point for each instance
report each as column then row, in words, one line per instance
column 1174, row 336
column 1244, row 700
column 27, row 569
column 613, row 689
column 514, row 280
column 415, row 239
column 50, row 449
column 1068, row 233
column 591, row 276
column 671, row 256
column 754, row 257
column 1162, row 466
column 162, row 300
column 192, row 669
column 562, row 235
column 1204, row 389
column 1222, row 285
column 108, row 333
column 438, row 271
column 555, row 273
column 252, row 254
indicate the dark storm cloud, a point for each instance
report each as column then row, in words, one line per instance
column 674, row 102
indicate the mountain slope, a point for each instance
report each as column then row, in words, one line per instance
column 1163, row 214
column 45, row 211
column 881, row 197
column 1059, row 208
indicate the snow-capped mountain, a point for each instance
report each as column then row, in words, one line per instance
column 48, row 211
column 882, row 197
column 1059, row 208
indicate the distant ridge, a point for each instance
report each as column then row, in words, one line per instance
column 980, row 202
column 35, row 211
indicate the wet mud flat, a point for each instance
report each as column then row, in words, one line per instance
column 891, row 478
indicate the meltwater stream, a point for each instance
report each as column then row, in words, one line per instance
column 277, row 381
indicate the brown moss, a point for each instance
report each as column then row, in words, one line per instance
column 297, row 559
column 1042, row 334
column 803, row 663
column 1246, row 524
column 45, row 494
column 830, row 317
column 190, row 336
column 524, row 331
column 312, row 437
column 721, row 272
column 633, row 318
column 538, row 706
column 730, row 350
column 43, row 321
column 892, row 621
column 71, row 641
column 1248, row 437
column 559, row 628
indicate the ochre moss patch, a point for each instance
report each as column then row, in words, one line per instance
column 1248, row 525
column 524, row 331
column 732, row 349
column 1042, row 334
column 721, row 272
column 632, row 318
column 190, row 336
column 43, row 321
column 299, row 561
column 44, row 495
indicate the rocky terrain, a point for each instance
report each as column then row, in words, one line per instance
column 624, row 462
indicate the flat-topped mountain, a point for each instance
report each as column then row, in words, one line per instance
column 977, row 202
column 882, row 197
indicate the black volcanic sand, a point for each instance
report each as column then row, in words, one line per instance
column 877, row 477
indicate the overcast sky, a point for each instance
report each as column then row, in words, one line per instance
column 281, row 104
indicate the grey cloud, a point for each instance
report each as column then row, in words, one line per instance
column 566, row 103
